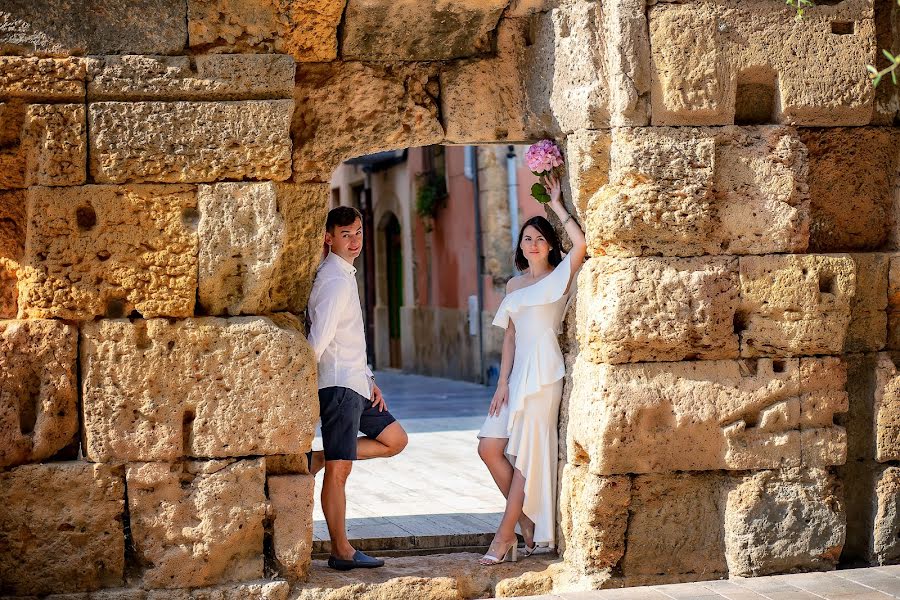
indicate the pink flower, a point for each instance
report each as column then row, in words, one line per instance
column 543, row 157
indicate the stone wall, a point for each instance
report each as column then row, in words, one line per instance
column 730, row 405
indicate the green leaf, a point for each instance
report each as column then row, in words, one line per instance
column 871, row 69
column 889, row 56
column 894, row 77
column 876, row 81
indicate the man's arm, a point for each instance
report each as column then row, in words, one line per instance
column 325, row 307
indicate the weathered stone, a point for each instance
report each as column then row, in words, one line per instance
column 887, row 34
column 262, row 590
column 886, row 521
column 383, row 107
column 859, row 421
column 587, row 156
column 49, row 26
column 795, row 304
column 886, row 409
column 287, row 464
column 168, row 394
column 412, row 31
column 9, row 288
column 190, row 141
column 718, row 62
column 260, row 244
column 110, row 250
column 38, row 79
column 867, row 331
column 12, row 224
column 182, row 537
column 524, row 8
column 499, row 115
column 291, row 497
column 305, row 30
column 594, row 517
column 61, row 528
column 893, row 307
column 38, row 390
column 783, row 521
column 656, row 309
column 737, row 415
column 46, row 144
column 691, row 191
column 674, row 526
column 850, row 209
column 207, row 77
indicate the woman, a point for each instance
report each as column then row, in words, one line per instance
column 518, row 441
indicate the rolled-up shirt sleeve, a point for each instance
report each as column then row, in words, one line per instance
column 326, row 304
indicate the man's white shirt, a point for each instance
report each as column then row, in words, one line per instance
column 337, row 333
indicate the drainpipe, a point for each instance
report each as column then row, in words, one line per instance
column 512, row 190
column 471, row 172
column 368, row 214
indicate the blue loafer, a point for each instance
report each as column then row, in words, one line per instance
column 360, row 561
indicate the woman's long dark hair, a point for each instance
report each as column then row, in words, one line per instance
column 546, row 229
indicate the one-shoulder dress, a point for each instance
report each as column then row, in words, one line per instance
column 529, row 418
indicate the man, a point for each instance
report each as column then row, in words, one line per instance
column 349, row 400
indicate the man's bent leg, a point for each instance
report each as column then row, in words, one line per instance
column 334, row 505
column 390, row 442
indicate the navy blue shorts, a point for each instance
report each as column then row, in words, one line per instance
column 345, row 414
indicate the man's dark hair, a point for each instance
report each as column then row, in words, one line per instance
column 342, row 216
column 546, row 230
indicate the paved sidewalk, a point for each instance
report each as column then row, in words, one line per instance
column 435, row 494
column 876, row 583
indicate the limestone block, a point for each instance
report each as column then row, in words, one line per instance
column 12, row 224
column 587, row 155
column 704, row 415
column 524, row 8
column 886, row 409
column 260, row 244
column 53, row 27
column 412, row 31
column 722, row 62
column 594, row 517
column 867, row 331
column 859, row 421
column 305, row 30
column 691, row 191
column 110, row 250
column 795, row 304
column 204, row 387
column 9, row 288
column 777, row 522
column 484, row 100
column 886, row 522
column 190, row 141
column 850, row 209
column 292, row 501
column 61, row 528
column 674, row 526
column 260, row 590
column 39, row 79
column 893, row 308
column 182, row 536
column 46, row 144
column 655, row 309
column 286, row 464
column 383, row 107
column 887, row 32
column 38, row 390
column 205, row 77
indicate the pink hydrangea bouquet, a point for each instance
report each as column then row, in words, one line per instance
column 543, row 158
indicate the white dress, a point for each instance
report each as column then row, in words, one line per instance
column 529, row 418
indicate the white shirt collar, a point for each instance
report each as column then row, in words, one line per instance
column 343, row 264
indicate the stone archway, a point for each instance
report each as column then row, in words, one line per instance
column 164, row 183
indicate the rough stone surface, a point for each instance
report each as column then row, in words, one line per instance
column 36, row 79
column 12, row 224
column 61, row 528
column 867, row 331
column 9, row 288
column 587, row 155
column 206, row 77
column 45, row 144
column 383, row 107
column 109, row 250
column 203, row 387
column 863, row 378
column 886, row 530
column 781, row 522
column 500, row 114
column 305, row 30
column 182, row 536
column 260, row 244
column 657, row 309
column 886, row 409
column 388, row 30
column 850, row 209
column 52, row 27
column 38, row 390
column 674, row 526
column 594, row 517
column 795, row 305
column 702, row 415
column 722, row 62
column 291, row 497
column 692, row 191
column 177, row 142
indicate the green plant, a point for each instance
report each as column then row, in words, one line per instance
column 800, row 5
column 431, row 194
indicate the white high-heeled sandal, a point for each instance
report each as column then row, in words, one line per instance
column 511, row 554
